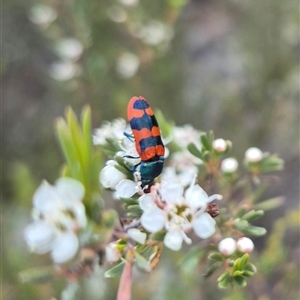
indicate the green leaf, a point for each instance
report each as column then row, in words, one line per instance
column 250, row 267
column 223, row 280
column 194, row 150
column 65, row 140
column 253, row 215
column 205, row 141
column 86, row 124
column 38, row 275
column 134, row 207
column 241, row 210
column 247, row 273
column 254, row 231
column 115, row 271
column 158, row 236
column 223, row 276
column 211, row 269
column 142, row 262
column 238, row 273
column 134, row 214
column 207, row 156
column 240, row 280
column 129, row 201
column 270, row 203
column 216, row 256
column 241, row 262
column 189, row 261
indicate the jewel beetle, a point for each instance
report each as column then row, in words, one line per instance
column 148, row 140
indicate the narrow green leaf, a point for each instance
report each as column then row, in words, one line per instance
column 237, row 273
column 270, row 203
column 223, row 284
column 254, row 230
column 223, row 276
column 247, row 273
column 129, row 201
column 211, row 269
column 142, row 262
column 158, row 236
column 253, row 215
column 134, row 214
column 115, row 271
column 38, row 275
column 205, row 141
column 244, row 260
column 216, row 256
column 78, row 139
column 194, row 150
column 207, row 156
column 240, row 211
column 134, row 207
column 65, row 141
column 86, row 124
column 250, row 267
column 240, row 280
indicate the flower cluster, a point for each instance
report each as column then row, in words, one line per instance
column 58, row 215
column 167, row 211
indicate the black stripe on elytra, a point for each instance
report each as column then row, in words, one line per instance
column 150, row 142
column 145, row 121
column 140, row 104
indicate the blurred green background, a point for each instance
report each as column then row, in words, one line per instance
column 230, row 66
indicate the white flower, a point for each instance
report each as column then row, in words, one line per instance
column 128, row 65
column 42, row 15
column 113, row 130
column 227, row 246
column 129, row 2
column 178, row 211
column 155, row 33
column 69, row 48
column 253, row 154
column 63, row 71
column 117, row 14
column 229, row 165
column 245, row 245
column 219, row 145
column 184, row 135
column 59, row 213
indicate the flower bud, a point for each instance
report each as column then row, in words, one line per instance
column 245, row 245
column 220, row 145
column 227, row 246
column 253, row 154
column 229, row 165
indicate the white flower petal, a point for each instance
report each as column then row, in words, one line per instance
column 65, row 247
column 39, row 236
column 69, row 189
column 137, row 235
column 126, row 188
column 146, row 202
column 204, row 226
column 196, row 197
column 45, row 198
column 153, row 219
column 110, row 176
column 112, row 253
column 80, row 216
column 173, row 240
column 170, row 191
